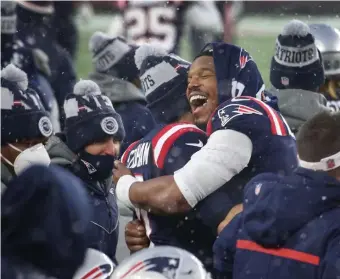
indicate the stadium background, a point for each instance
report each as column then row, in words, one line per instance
column 256, row 31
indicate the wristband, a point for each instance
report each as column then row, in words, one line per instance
column 123, row 188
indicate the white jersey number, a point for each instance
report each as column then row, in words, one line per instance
column 141, row 22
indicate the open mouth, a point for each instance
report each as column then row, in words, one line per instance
column 197, row 101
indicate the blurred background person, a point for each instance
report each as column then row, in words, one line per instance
column 35, row 30
column 296, row 74
column 328, row 42
column 115, row 72
column 163, row 22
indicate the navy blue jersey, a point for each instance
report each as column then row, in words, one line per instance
column 273, row 150
column 164, row 150
column 158, row 22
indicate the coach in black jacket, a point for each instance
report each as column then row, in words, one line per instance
column 94, row 132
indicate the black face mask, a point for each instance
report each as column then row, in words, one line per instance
column 99, row 167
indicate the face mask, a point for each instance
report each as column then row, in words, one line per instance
column 36, row 154
column 99, row 167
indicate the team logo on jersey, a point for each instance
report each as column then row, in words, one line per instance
column 109, row 125
column 231, row 111
column 45, row 126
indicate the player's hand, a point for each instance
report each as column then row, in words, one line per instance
column 135, row 236
column 119, row 171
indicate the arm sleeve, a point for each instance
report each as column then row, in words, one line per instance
column 182, row 150
column 226, row 154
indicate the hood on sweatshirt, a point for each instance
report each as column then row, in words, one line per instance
column 116, row 89
column 275, row 207
column 297, row 105
column 45, row 214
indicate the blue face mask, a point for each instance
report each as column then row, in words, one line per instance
column 99, row 167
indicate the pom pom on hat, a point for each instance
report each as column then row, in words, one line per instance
column 295, row 28
column 14, row 74
column 97, row 40
column 147, row 50
column 86, row 87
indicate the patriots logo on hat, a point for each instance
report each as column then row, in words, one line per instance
column 109, row 125
column 167, row 266
column 99, row 271
column 285, row 81
column 231, row 111
column 45, row 126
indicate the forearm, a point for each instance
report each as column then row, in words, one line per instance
column 160, row 195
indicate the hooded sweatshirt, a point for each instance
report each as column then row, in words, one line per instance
column 103, row 231
column 297, row 105
column 289, row 228
column 45, row 214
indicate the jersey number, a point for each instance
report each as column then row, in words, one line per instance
column 154, row 25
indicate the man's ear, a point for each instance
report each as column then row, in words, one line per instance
column 231, row 214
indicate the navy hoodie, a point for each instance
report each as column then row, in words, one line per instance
column 289, row 228
column 45, row 215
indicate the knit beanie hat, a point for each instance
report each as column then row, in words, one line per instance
column 90, row 117
column 23, row 116
column 113, row 55
column 297, row 61
column 164, row 81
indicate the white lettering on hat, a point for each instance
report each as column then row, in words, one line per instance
column 156, row 76
column 72, row 107
column 110, row 55
column 45, row 126
column 109, row 125
column 295, row 56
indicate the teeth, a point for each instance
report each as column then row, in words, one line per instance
column 197, row 97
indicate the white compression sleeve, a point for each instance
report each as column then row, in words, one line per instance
column 226, row 153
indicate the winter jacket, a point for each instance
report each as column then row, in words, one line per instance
column 130, row 103
column 104, row 224
column 297, row 105
column 289, row 228
column 45, row 215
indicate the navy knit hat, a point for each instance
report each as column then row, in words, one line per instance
column 164, row 82
column 23, row 116
column 90, row 117
column 297, row 61
column 113, row 55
